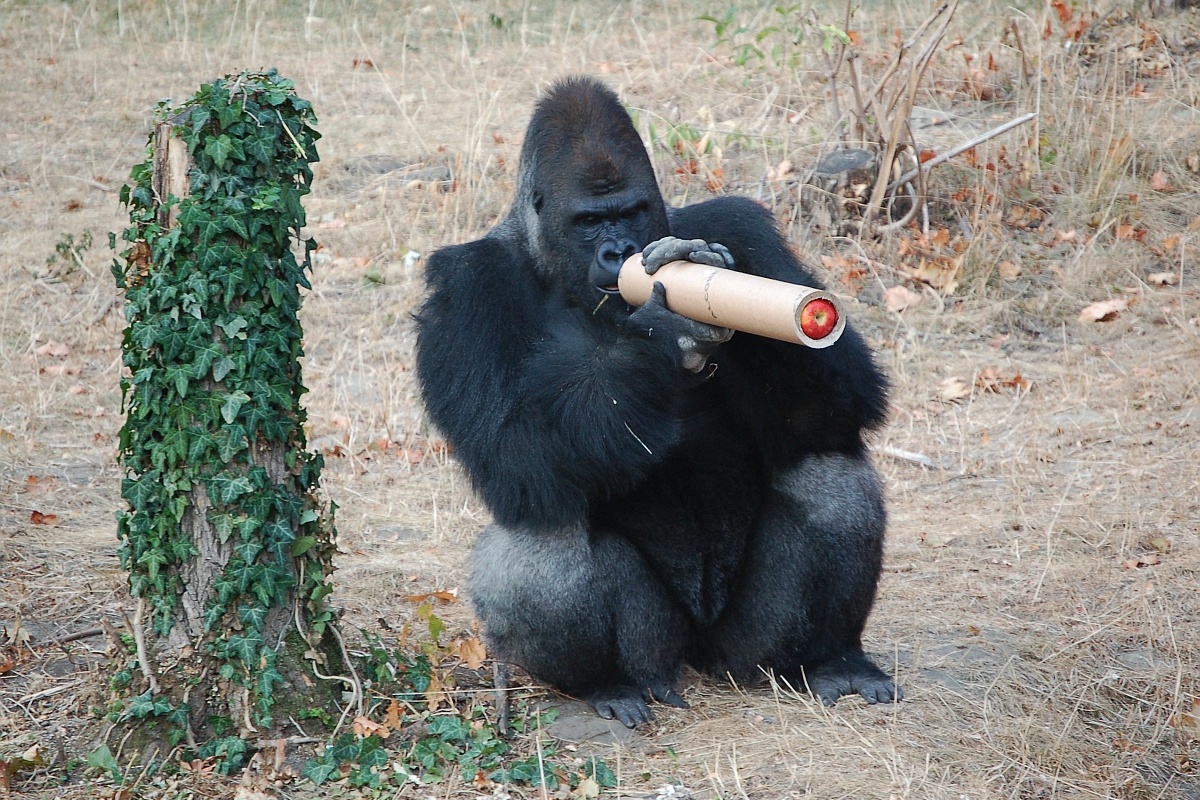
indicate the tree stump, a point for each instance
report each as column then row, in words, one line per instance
column 227, row 545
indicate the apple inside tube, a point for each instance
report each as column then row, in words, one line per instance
column 731, row 299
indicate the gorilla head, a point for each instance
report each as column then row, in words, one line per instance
column 586, row 198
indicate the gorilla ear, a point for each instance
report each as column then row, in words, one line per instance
column 538, row 201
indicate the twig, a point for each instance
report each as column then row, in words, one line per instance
column 1026, row 66
column 899, row 107
column 104, row 309
column 500, row 679
column 74, row 637
column 139, row 638
column 904, row 455
column 942, row 158
column 44, row 693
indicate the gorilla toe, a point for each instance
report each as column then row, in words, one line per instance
column 622, row 703
column 852, row 673
column 663, row 693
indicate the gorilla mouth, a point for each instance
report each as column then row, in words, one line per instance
column 613, row 289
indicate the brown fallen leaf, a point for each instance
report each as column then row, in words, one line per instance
column 53, row 348
column 1159, row 182
column 1104, row 311
column 1147, row 560
column 1188, row 721
column 471, row 651
column 953, row 389
column 990, row 380
column 898, row 298
column 363, row 727
column 1131, row 232
column 1009, row 271
column 395, row 713
column 38, row 518
column 441, row 595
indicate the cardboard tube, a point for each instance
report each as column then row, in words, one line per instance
column 731, row 299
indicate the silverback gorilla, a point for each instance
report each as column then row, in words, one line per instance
column 663, row 492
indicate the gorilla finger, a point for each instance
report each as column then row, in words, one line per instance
column 723, row 251
column 711, row 334
column 707, row 258
column 658, row 294
column 669, row 249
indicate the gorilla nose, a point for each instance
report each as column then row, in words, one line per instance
column 616, row 252
column 610, row 256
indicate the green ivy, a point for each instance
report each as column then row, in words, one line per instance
column 211, row 348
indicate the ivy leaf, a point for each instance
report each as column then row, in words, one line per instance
column 219, row 148
column 228, row 489
column 233, row 403
column 318, row 771
column 222, row 367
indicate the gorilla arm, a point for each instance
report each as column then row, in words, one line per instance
column 547, row 407
column 825, row 398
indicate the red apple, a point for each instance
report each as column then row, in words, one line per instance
column 818, row 318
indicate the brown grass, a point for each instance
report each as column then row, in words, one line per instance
column 1039, row 661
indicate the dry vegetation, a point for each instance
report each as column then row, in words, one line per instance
column 1040, row 602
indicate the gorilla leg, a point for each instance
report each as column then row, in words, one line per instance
column 809, row 584
column 582, row 612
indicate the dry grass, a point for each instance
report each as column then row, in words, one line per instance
column 1038, row 660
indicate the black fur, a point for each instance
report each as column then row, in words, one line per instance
column 648, row 513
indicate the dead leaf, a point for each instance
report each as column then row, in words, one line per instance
column 1104, row 311
column 1147, row 560
column 899, row 298
column 53, row 348
column 364, row 726
column 1129, row 232
column 1160, row 543
column 587, row 789
column 1188, row 721
column 1064, row 11
column 940, row 272
column 952, row 390
column 1066, row 236
column 989, row 379
column 59, row 370
column 937, row 539
column 471, row 651
column 38, row 518
column 1159, row 182
column 395, row 713
column 6, row 663
column 1009, row 271
column 441, row 595
column 1162, row 279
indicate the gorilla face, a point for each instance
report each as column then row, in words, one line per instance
column 590, row 234
column 588, row 181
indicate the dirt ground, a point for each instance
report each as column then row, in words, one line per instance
column 1040, row 600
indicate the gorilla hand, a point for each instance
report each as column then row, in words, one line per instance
column 696, row 340
column 698, row 251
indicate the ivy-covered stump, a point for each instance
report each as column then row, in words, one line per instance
column 226, row 543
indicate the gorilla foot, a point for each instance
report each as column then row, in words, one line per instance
column 629, row 705
column 852, row 673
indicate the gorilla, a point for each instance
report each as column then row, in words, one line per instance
column 663, row 492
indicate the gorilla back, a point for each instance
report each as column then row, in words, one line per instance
column 663, row 492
